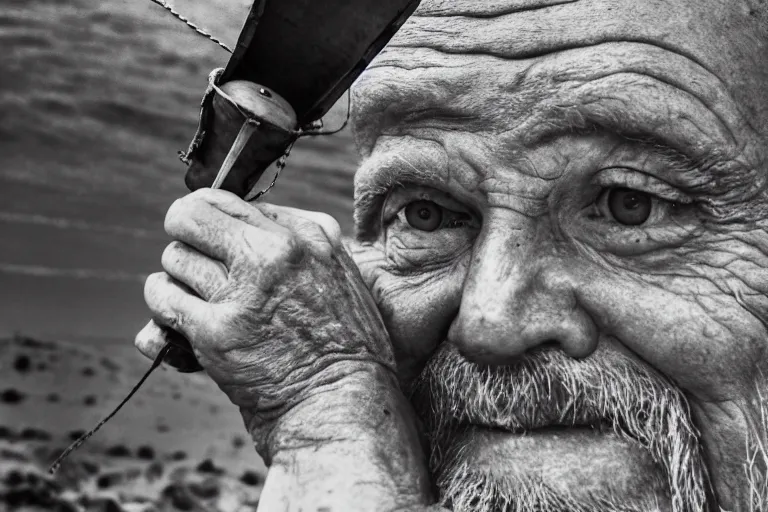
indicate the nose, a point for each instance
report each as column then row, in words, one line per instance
column 515, row 302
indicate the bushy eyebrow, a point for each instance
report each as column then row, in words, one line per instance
column 403, row 171
column 712, row 172
column 383, row 176
column 677, row 161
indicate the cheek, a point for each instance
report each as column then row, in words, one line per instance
column 418, row 311
column 417, row 307
column 707, row 343
column 700, row 337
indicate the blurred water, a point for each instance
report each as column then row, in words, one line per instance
column 96, row 98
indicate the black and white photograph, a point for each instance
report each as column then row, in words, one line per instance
column 384, row 255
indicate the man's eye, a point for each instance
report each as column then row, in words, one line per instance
column 629, row 207
column 631, row 221
column 424, row 215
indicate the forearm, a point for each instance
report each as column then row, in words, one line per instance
column 352, row 446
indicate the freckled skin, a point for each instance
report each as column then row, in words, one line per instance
column 687, row 296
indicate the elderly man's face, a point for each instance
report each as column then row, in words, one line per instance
column 563, row 213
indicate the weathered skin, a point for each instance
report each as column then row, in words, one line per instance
column 517, row 116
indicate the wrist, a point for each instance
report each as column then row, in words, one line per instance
column 354, row 402
column 352, row 444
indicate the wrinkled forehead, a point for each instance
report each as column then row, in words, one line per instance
column 492, row 62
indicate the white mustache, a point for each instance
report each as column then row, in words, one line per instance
column 548, row 388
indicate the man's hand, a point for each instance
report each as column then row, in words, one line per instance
column 278, row 315
column 270, row 301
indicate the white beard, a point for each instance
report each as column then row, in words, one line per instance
column 549, row 388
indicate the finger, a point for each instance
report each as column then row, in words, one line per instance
column 327, row 223
column 199, row 224
column 266, row 218
column 261, row 235
column 280, row 232
column 278, row 219
column 231, row 205
column 174, row 305
column 205, row 276
column 313, row 227
column 153, row 338
column 150, row 340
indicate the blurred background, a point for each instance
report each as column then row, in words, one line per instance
column 96, row 99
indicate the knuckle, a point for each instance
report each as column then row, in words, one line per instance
column 212, row 196
column 172, row 255
column 287, row 248
column 266, row 209
column 151, row 282
column 202, row 194
column 152, row 286
column 319, row 226
column 177, row 213
column 330, row 226
column 321, row 233
column 177, row 320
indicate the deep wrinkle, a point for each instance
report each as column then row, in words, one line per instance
column 674, row 168
column 660, row 329
column 687, row 109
